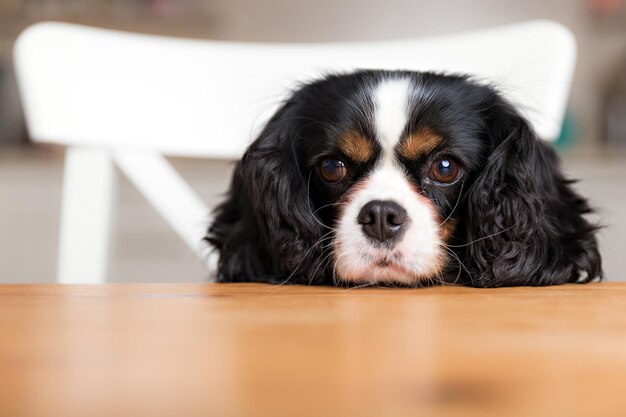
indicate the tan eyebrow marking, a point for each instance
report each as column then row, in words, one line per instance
column 356, row 146
column 420, row 143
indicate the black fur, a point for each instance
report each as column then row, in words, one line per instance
column 519, row 220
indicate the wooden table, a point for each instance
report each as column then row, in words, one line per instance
column 258, row 350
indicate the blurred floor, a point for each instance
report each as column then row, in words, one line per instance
column 145, row 249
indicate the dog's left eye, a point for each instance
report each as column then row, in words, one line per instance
column 333, row 170
column 445, row 170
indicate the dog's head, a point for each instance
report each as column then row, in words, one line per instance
column 404, row 178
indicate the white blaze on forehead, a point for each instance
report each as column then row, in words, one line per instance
column 391, row 101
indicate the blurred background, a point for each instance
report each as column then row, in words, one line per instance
column 592, row 143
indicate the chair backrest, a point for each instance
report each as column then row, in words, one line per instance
column 104, row 88
column 130, row 99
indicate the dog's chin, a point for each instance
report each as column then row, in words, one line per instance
column 383, row 271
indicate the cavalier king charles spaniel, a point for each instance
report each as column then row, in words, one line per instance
column 402, row 178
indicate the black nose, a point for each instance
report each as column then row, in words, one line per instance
column 382, row 220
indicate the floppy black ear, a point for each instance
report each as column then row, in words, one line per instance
column 525, row 222
column 265, row 227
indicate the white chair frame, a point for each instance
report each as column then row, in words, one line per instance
column 131, row 99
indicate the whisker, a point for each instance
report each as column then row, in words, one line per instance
column 455, row 205
column 366, row 284
column 308, row 192
column 440, row 279
column 324, row 237
column 458, row 276
column 335, row 277
column 330, row 253
column 328, row 262
column 461, row 264
column 479, row 239
column 329, row 205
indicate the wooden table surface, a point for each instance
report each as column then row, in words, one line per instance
column 258, row 350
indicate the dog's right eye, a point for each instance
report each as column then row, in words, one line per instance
column 333, row 170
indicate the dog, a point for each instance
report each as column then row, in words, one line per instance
column 402, row 178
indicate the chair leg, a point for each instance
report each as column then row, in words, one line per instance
column 88, row 191
column 172, row 197
column 169, row 194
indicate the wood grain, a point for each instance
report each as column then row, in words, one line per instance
column 258, row 350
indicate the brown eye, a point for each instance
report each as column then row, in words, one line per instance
column 445, row 170
column 333, row 170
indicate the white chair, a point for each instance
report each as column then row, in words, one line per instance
column 129, row 99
